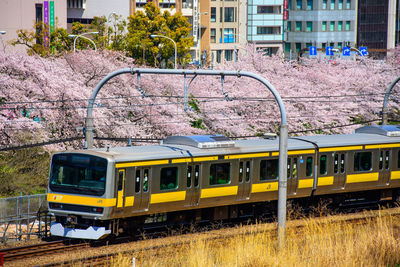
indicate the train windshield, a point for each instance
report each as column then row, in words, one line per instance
column 78, row 173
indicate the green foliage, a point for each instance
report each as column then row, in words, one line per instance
column 24, row 170
column 194, row 103
column 147, row 50
column 197, row 124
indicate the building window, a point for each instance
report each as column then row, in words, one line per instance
column 290, row 4
column 220, row 173
column 220, row 14
column 309, row 26
column 269, row 169
column 309, row 4
column 268, row 9
column 347, row 25
column 289, row 26
column 287, row 49
column 348, row 4
column 332, row 26
column 219, row 56
column 340, row 5
column 362, row 161
column 332, row 4
column 229, row 17
column 169, row 178
column 308, row 45
column 298, row 26
column 228, row 35
column 324, row 4
column 340, row 26
column 332, row 44
column 324, row 26
column 268, row 30
column 323, row 45
column 339, row 45
column 213, row 35
column 298, row 48
column 213, row 17
column 299, row 4
column 76, row 4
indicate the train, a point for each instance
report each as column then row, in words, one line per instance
column 102, row 192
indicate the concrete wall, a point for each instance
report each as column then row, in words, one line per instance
column 98, row 8
column 21, row 14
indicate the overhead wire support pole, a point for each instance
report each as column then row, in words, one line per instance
column 386, row 99
column 283, row 140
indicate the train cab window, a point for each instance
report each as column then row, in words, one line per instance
column 220, row 173
column 196, row 175
column 342, row 163
column 189, row 176
column 336, row 164
column 323, row 164
column 137, row 181
column 146, row 180
column 241, row 172
column 362, row 161
column 269, row 169
column 309, row 166
column 387, row 157
column 169, row 178
column 247, row 171
column 381, row 160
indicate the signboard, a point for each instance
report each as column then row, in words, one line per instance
column 51, row 13
column 313, row 50
column 195, row 20
column 46, row 22
column 329, row 51
column 285, row 10
column 363, row 51
column 346, row 51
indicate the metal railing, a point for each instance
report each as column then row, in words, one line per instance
column 23, row 216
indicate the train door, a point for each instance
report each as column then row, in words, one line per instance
column 120, row 188
column 244, row 183
column 384, row 166
column 292, row 175
column 142, row 185
column 339, row 169
column 193, row 185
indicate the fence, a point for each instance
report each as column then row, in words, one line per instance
column 23, row 216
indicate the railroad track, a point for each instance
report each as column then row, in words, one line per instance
column 104, row 259
column 14, row 253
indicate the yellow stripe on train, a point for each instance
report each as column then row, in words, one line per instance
column 322, row 181
column 89, row 201
column 167, row 197
column 362, row 177
column 219, row 192
column 141, row 163
column 264, row 187
column 395, row 175
column 306, row 183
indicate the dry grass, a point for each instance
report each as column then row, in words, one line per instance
column 320, row 243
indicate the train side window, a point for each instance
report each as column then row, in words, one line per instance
column 342, row 163
column 269, row 169
column 220, row 173
column 241, row 172
column 336, row 164
column 323, row 164
column 309, row 166
column 247, row 171
column 169, row 178
column 294, row 170
column 189, row 176
column 137, row 181
column 146, row 180
column 387, row 157
column 120, row 179
column 196, row 175
column 381, row 160
column 362, row 161
column 288, row 167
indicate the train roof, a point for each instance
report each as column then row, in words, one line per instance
column 174, row 150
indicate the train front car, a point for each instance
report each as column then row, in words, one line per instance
column 77, row 195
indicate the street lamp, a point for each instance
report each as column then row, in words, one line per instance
column 84, row 37
column 155, row 35
column 4, row 47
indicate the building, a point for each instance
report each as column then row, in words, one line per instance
column 320, row 23
column 378, row 25
column 23, row 14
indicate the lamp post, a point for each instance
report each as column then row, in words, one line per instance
column 84, row 37
column 4, row 47
column 162, row 36
column 199, row 42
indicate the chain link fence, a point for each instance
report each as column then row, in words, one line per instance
column 24, row 216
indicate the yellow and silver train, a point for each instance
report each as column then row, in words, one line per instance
column 99, row 192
